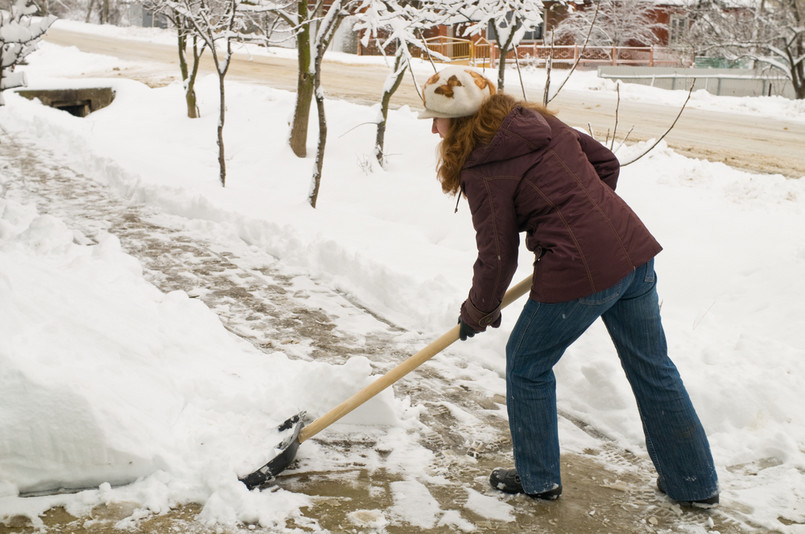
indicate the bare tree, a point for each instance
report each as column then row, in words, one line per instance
column 327, row 27
column 393, row 26
column 617, row 22
column 63, row 9
column 307, row 21
column 190, row 49
column 302, row 23
column 657, row 142
column 546, row 99
column 106, row 11
column 314, row 25
column 216, row 22
column 769, row 33
column 263, row 22
column 509, row 22
column 19, row 34
column 611, row 134
column 187, row 44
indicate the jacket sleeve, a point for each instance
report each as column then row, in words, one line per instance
column 493, row 216
column 605, row 162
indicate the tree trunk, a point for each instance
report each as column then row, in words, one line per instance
column 318, row 165
column 221, row 116
column 221, row 112
column 502, row 68
column 188, row 79
column 396, row 79
column 548, row 68
column 301, row 115
column 189, row 75
column 190, row 87
column 181, row 38
column 796, row 58
column 504, row 51
column 305, row 84
column 329, row 25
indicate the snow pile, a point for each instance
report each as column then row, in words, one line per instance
column 103, row 379
column 106, row 380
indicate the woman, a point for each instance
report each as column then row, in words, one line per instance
column 523, row 170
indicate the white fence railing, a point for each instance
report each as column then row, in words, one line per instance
column 725, row 82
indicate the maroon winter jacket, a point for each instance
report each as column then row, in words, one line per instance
column 542, row 177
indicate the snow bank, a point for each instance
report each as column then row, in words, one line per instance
column 108, row 381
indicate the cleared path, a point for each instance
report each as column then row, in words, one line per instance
column 463, row 433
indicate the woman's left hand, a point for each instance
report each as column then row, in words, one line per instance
column 464, row 330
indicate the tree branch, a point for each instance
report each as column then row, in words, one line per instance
column 690, row 92
column 578, row 59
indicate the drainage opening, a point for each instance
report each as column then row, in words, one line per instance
column 78, row 102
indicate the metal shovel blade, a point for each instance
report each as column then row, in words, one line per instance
column 287, row 452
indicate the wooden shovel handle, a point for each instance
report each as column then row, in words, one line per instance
column 434, row 348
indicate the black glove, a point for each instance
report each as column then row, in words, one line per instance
column 464, row 330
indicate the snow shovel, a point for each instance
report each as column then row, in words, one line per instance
column 296, row 431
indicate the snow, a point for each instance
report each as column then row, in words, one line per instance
column 104, row 380
column 490, row 507
column 17, row 32
column 414, row 503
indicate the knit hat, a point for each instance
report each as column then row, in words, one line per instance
column 455, row 92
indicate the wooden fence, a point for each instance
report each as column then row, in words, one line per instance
column 482, row 53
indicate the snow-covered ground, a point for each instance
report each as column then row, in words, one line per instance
column 105, row 380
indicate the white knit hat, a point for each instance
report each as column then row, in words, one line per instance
column 455, row 92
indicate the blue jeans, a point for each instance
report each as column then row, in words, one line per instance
column 675, row 439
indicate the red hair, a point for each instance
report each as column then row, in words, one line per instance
column 465, row 133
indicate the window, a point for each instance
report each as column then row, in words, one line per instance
column 531, row 35
column 677, row 29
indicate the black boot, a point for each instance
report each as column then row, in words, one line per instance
column 508, row 481
column 710, row 502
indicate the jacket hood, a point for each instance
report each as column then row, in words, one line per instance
column 522, row 131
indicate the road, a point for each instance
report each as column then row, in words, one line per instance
column 759, row 144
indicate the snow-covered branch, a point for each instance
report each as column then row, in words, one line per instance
column 508, row 20
column 768, row 33
column 19, row 34
column 616, row 23
column 397, row 27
